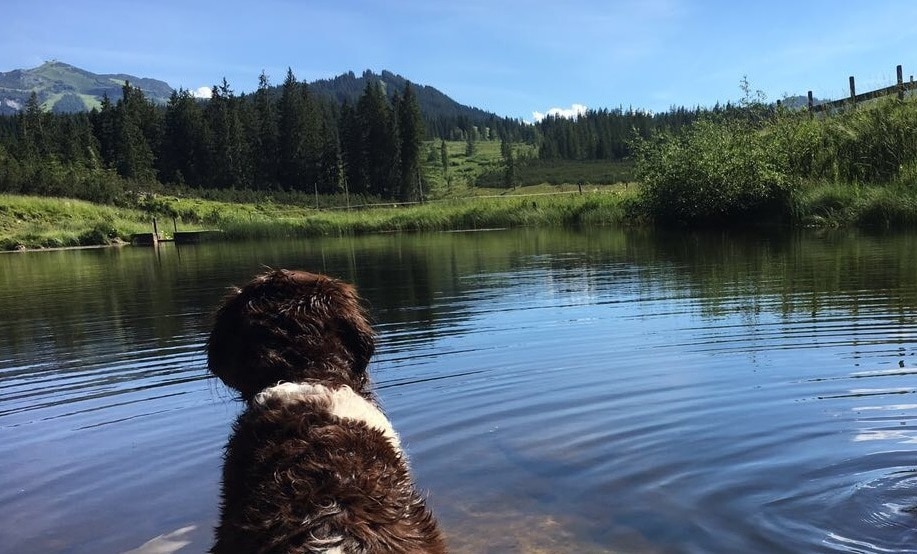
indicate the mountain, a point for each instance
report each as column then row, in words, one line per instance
column 64, row 88
column 444, row 116
column 348, row 87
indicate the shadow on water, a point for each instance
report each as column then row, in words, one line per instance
column 594, row 391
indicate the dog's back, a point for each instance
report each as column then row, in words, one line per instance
column 312, row 465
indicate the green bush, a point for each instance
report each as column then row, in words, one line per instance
column 101, row 233
column 716, row 172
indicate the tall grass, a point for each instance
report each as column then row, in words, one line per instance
column 458, row 214
column 857, row 166
column 49, row 222
column 44, row 222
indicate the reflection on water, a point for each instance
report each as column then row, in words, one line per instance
column 603, row 391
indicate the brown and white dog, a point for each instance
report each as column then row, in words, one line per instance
column 313, row 465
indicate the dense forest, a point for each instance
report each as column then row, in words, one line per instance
column 611, row 134
column 324, row 138
column 290, row 139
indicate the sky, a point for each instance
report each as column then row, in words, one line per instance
column 515, row 58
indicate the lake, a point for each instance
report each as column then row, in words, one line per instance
column 556, row 391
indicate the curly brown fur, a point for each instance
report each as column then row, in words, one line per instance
column 312, row 465
column 291, row 326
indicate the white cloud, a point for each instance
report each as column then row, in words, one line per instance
column 572, row 112
column 202, row 92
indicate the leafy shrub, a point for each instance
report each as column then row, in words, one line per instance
column 715, row 172
column 101, row 233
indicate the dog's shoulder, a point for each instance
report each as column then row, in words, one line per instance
column 320, row 468
column 341, row 402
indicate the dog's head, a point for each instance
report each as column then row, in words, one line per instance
column 291, row 326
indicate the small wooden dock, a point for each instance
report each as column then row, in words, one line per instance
column 144, row 239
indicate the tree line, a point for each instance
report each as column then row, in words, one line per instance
column 607, row 134
column 289, row 140
column 293, row 138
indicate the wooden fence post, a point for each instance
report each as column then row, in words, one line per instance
column 853, row 90
column 900, row 83
column 811, row 101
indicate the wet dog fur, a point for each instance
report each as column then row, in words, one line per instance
column 312, row 465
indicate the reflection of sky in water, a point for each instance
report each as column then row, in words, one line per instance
column 558, row 391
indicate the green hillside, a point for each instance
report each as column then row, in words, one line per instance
column 63, row 88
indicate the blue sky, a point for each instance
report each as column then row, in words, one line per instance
column 510, row 57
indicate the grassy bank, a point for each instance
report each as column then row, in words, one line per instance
column 38, row 222
column 842, row 205
column 763, row 166
column 854, row 168
column 32, row 222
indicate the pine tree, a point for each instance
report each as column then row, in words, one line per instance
column 509, row 164
column 330, row 166
column 410, row 131
column 267, row 154
column 228, row 148
column 469, row 141
column 184, row 157
column 32, row 137
column 104, row 128
column 379, row 141
column 136, row 130
column 299, row 145
column 444, row 157
column 353, row 154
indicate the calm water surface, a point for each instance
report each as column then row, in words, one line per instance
column 556, row 391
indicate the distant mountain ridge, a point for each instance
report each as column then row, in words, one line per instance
column 63, row 88
column 348, row 87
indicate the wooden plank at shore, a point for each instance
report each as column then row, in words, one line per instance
column 144, row 239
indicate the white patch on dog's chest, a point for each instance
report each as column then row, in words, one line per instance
column 342, row 402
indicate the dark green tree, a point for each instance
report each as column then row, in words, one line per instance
column 380, row 142
column 136, row 135
column 509, row 164
column 330, row 177
column 299, row 145
column 411, row 135
column 353, row 154
column 184, row 158
column 267, row 156
column 104, row 124
column 469, row 141
column 33, row 136
column 229, row 155
column 444, row 156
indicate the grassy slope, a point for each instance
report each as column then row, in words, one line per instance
column 36, row 222
column 467, row 175
column 32, row 222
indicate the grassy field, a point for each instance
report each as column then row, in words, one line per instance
column 33, row 222
column 484, row 169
